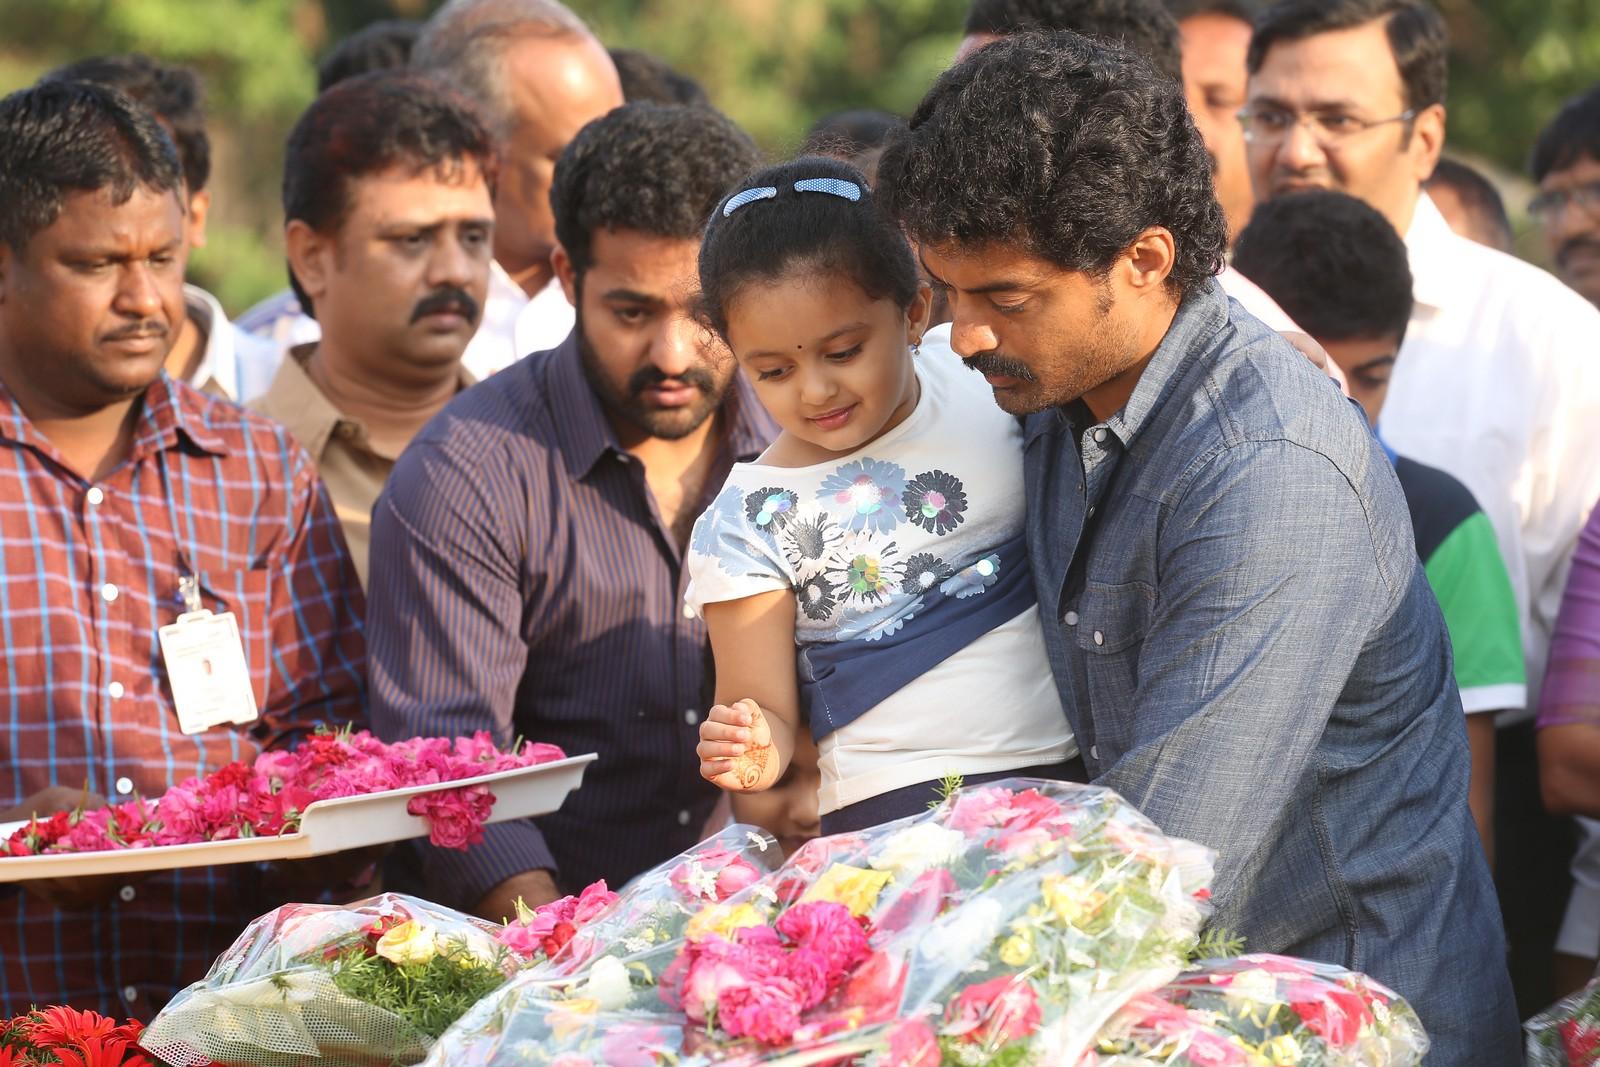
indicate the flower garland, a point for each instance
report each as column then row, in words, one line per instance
column 269, row 797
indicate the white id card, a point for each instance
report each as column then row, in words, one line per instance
column 209, row 675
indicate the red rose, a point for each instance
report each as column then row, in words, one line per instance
column 1001, row 1010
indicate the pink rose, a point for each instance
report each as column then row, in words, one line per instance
column 768, row 1010
column 913, row 1044
column 808, row 969
column 637, row 1046
column 830, row 930
column 922, row 902
column 1334, row 1013
column 1001, row 1010
column 595, row 899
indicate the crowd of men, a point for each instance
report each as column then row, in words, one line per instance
column 445, row 481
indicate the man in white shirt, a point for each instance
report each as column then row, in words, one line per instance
column 210, row 353
column 538, row 76
column 1498, row 382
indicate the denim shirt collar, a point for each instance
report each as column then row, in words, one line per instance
column 1203, row 312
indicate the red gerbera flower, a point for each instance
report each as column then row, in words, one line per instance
column 57, row 1026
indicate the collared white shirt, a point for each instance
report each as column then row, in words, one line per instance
column 235, row 364
column 512, row 326
column 1498, row 383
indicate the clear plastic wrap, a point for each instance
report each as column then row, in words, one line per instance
column 1263, row 1009
column 1006, row 925
column 1567, row 1032
column 311, row 981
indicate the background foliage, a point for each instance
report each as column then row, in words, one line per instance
column 774, row 65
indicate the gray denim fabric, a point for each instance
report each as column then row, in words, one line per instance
column 1249, row 652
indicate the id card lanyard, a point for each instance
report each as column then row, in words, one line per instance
column 204, row 654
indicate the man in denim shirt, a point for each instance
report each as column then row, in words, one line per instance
column 1244, row 638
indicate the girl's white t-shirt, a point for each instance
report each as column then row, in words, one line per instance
column 866, row 541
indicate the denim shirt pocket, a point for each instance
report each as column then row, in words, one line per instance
column 1112, row 623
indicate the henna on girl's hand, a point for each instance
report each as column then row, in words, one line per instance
column 750, row 767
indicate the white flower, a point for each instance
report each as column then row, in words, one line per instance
column 964, row 933
column 758, row 840
column 917, row 848
column 701, row 880
column 608, row 984
column 765, row 892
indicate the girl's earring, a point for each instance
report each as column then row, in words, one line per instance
column 916, row 349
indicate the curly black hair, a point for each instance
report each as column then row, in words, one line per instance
column 1142, row 26
column 172, row 92
column 1067, row 147
column 819, row 232
column 1418, row 37
column 657, row 169
column 382, row 45
column 1242, row 10
column 1332, row 262
column 649, row 78
column 1571, row 135
column 69, row 137
column 369, row 124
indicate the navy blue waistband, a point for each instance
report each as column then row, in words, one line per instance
column 842, row 680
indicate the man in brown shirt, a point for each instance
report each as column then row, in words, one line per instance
column 390, row 225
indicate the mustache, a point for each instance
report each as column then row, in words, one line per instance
column 1581, row 243
column 449, row 298
column 143, row 328
column 999, row 366
column 648, row 377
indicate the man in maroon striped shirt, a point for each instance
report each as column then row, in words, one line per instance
column 117, row 482
column 527, row 552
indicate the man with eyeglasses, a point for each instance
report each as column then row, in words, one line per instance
column 1498, row 381
column 1566, row 164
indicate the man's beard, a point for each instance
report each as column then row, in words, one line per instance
column 628, row 402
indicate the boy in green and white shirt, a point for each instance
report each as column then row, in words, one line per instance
column 1340, row 270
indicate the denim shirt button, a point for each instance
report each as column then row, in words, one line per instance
column 1070, row 618
column 1094, row 752
column 1099, row 638
column 1100, row 436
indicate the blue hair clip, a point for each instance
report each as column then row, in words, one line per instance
column 832, row 186
column 747, row 196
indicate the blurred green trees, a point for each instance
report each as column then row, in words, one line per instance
column 774, row 65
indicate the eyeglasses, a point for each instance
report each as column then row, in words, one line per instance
column 1554, row 202
column 1329, row 129
column 832, row 186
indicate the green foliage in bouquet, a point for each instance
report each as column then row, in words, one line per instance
column 429, row 994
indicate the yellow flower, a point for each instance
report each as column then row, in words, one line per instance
column 572, row 1016
column 410, row 942
column 1282, row 1049
column 1016, row 950
column 855, row 887
column 1071, row 899
column 723, row 920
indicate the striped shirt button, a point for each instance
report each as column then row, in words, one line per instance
column 109, row 592
column 688, row 612
column 127, row 894
column 124, row 785
column 95, row 496
column 684, row 817
column 691, row 716
column 130, row 994
column 116, row 690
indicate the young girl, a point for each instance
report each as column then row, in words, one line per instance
column 882, row 533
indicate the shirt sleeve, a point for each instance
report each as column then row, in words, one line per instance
column 1572, row 686
column 318, row 649
column 1470, row 582
column 447, row 648
column 734, row 551
column 1264, row 563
